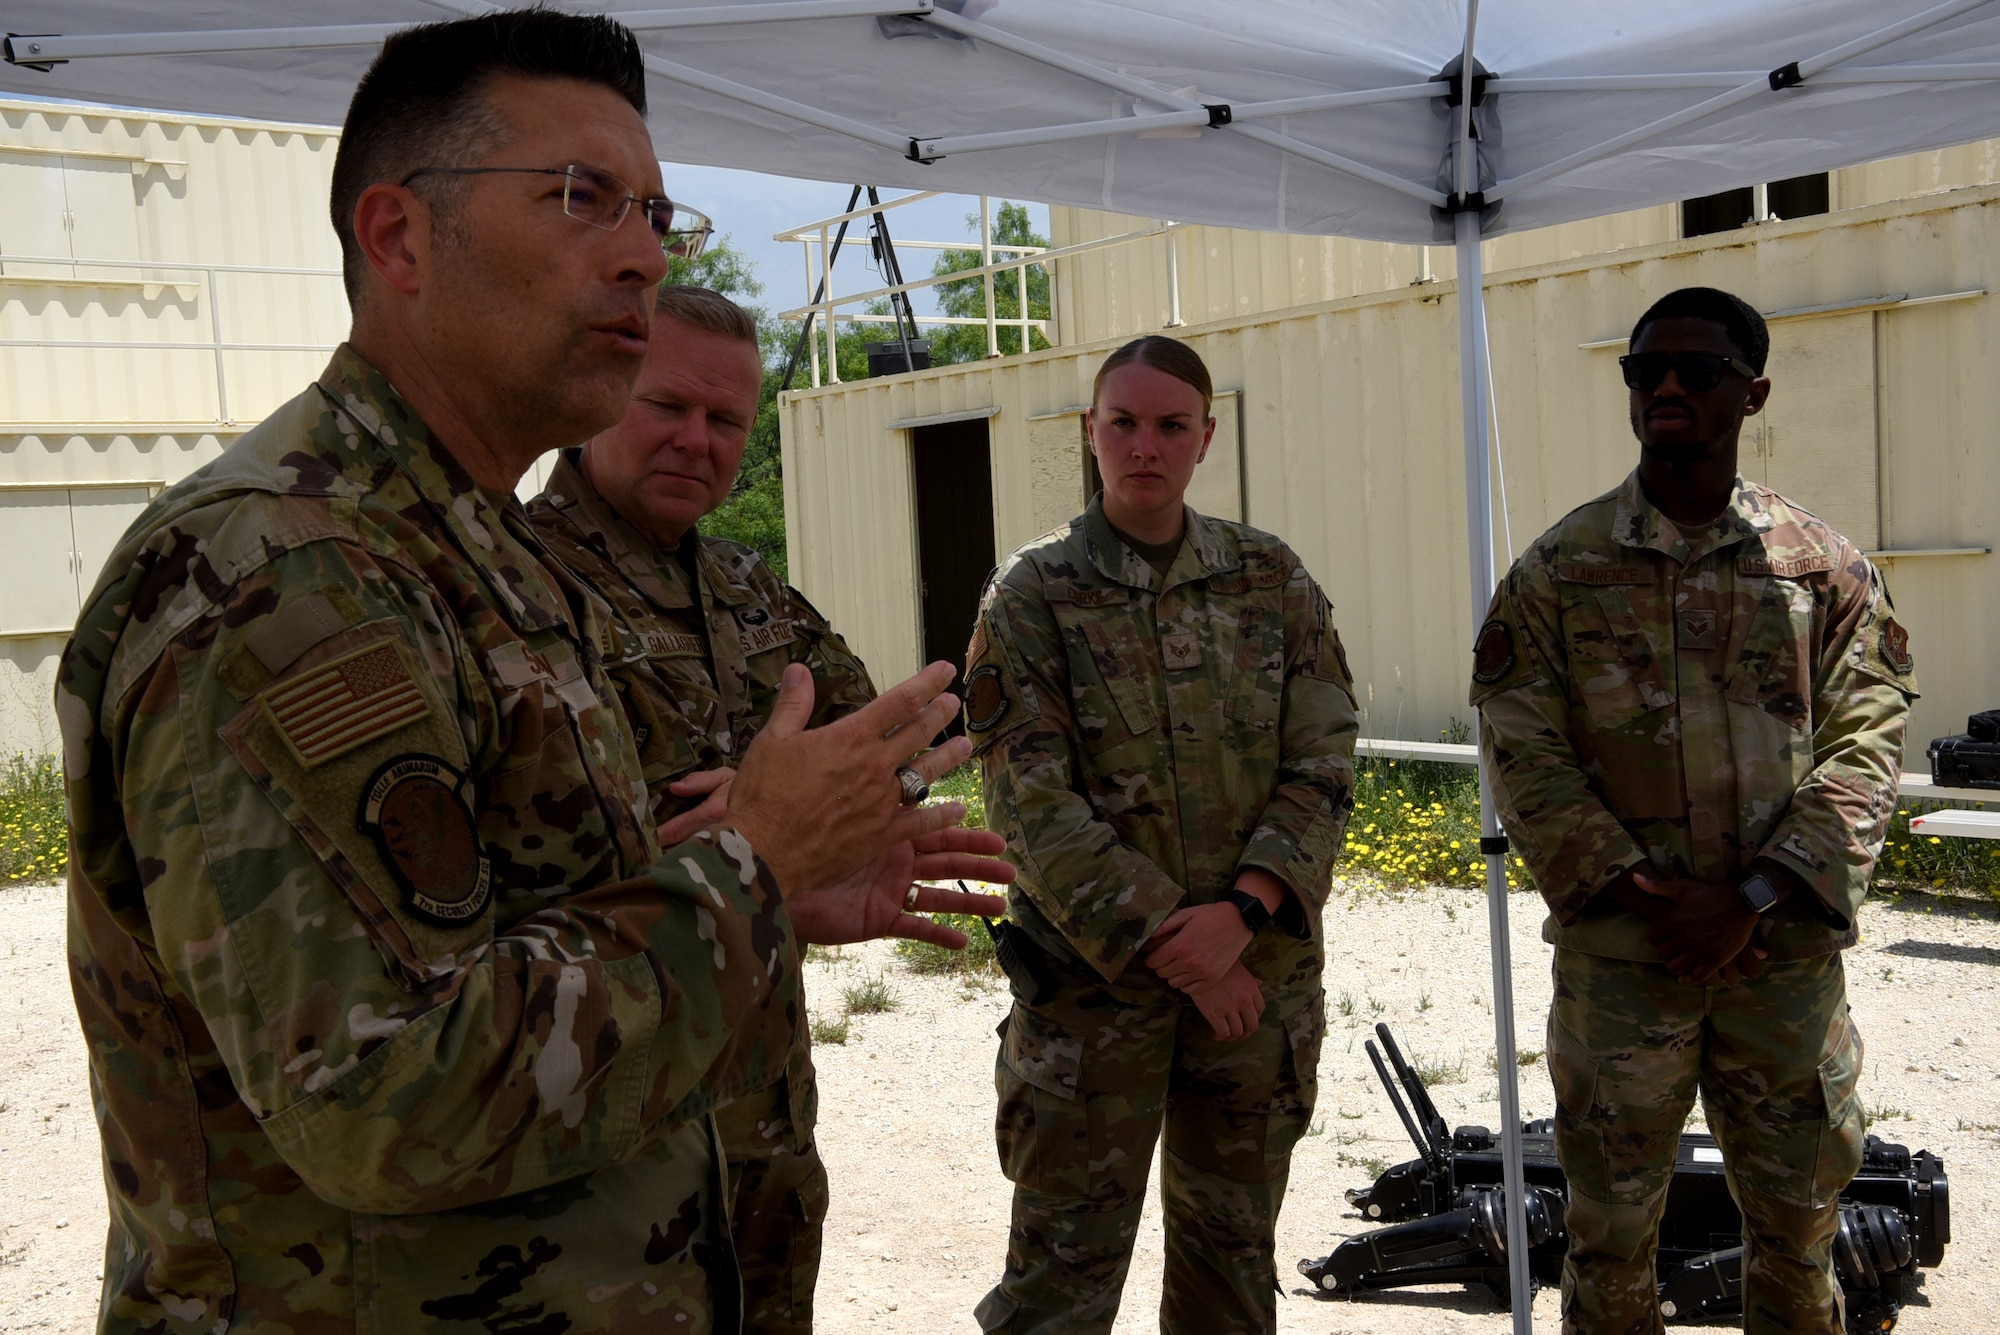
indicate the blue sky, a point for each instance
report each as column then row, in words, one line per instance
column 749, row 207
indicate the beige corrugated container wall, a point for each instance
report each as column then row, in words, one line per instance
column 1882, row 416
column 88, row 433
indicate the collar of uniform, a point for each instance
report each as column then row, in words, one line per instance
column 491, row 530
column 1203, row 551
column 650, row 571
column 1637, row 522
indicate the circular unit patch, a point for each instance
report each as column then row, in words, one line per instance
column 1493, row 653
column 415, row 808
column 985, row 698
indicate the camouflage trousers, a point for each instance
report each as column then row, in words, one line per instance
column 777, row 1199
column 1776, row 1060
column 1087, row 1082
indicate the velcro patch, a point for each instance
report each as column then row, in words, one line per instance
column 1493, row 652
column 1084, row 595
column 298, row 627
column 1697, row 627
column 673, row 644
column 760, row 639
column 1180, row 650
column 1896, row 647
column 1787, row 568
column 985, row 697
column 1577, row 573
column 416, row 809
column 346, row 703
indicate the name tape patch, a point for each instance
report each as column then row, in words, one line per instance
column 1582, row 574
column 673, row 644
column 1784, row 567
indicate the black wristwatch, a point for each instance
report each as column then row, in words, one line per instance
column 1255, row 915
column 1759, row 895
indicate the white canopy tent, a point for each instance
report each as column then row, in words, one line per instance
column 1322, row 116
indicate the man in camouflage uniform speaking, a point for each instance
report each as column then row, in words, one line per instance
column 1692, row 697
column 706, row 630
column 398, row 1020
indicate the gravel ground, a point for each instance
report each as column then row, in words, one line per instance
column 918, row 1224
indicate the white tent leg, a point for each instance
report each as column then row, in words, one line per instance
column 1473, row 375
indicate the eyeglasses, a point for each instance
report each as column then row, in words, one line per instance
column 602, row 200
column 1696, row 371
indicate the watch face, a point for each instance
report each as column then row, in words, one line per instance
column 1758, row 894
column 1255, row 915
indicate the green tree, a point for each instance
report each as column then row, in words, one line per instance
column 967, row 297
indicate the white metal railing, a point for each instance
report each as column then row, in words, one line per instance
column 151, row 274
column 1911, row 785
column 824, row 308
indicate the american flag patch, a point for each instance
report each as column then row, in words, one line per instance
column 346, row 703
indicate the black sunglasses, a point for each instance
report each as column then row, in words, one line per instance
column 1696, row 371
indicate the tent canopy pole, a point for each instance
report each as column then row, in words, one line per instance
column 1472, row 371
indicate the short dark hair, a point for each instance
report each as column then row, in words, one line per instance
column 707, row 309
column 1738, row 318
column 1161, row 353
column 421, row 103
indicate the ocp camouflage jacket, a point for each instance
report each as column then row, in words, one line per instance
column 397, row 1020
column 698, row 662
column 1145, row 738
column 1691, row 704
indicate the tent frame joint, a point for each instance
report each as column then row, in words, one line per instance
column 1493, row 845
column 1786, row 76
column 24, row 57
column 1456, row 203
column 1219, row 114
column 1456, row 78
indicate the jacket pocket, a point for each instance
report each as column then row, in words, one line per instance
column 1118, row 661
column 1771, row 671
column 1257, row 674
column 1615, row 665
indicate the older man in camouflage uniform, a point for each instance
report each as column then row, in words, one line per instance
column 705, row 632
column 1692, row 698
column 397, row 1019
column 1148, row 736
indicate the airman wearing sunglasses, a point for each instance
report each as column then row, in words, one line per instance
column 1692, row 696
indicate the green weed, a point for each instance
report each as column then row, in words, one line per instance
column 34, row 835
column 871, row 996
column 976, row 958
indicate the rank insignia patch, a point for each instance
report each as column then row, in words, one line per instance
column 1697, row 627
column 985, row 698
column 1180, row 650
column 416, row 809
column 1493, row 654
